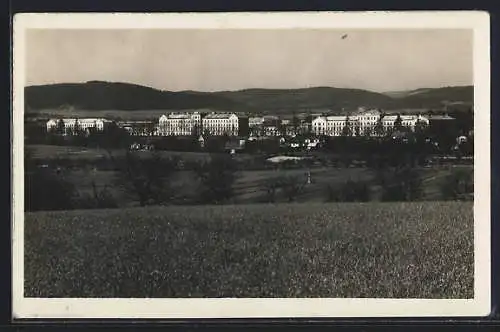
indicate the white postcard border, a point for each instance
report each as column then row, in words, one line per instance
column 263, row 308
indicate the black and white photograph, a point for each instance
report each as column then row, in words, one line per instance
column 251, row 165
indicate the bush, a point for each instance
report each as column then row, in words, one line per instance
column 216, row 177
column 46, row 190
column 350, row 191
column 459, row 185
column 272, row 187
column 99, row 199
column 400, row 184
column 147, row 178
column 291, row 186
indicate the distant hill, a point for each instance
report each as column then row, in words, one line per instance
column 306, row 99
column 98, row 95
column 434, row 96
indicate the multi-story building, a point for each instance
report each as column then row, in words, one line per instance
column 256, row 125
column 332, row 125
column 139, row 127
column 72, row 125
column 363, row 123
column 180, row 124
column 270, row 126
column 255, row 121
column 366, row 121
column 221, row 124
column 407, row 121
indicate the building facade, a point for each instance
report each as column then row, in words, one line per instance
column 407, row 121
column 180, row 124
column 363, row 123
column 73, row 125
column 139, row 127
column 256, row 126
column 255, row 121
column 221, row 124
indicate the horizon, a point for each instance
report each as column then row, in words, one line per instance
column 257, row 88
column 206, row 60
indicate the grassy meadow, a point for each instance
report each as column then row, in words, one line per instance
column 74, row 152
column 390, row 250
column 249, row 187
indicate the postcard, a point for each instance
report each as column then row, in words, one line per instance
column 251, row 165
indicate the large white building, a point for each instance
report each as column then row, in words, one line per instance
column 329, row 125
column 363, row 123
column 221, row 124
column 84, row 124
column 139, row 127
column 408, row 121
column 255, row 121
column 180, row 124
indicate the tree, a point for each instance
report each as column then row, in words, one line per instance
column 379, row 127
column 77, row 128
column 206, row 133
column 44, row 188
column 60, row 128
column 216, row 178
column 78, row 135
column 271, row 187
column 400, row 184
column 459, row 185
column 99, row 199
column 291, row 186
column 398, row 123
column 346, row 131
column 195, row 132
column 368, row 132
column 281, row 129
column 147, row 178
column 349, row 191
column 357, row 130
column 295, row 123
column 420, row 128
column 113, row 137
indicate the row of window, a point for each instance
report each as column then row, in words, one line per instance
column 341, row 124
column 79, row 125
column 219, row 132
column 222, row 121
column 172, row 126
column 178, row 121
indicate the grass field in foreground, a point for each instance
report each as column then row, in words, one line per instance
column 416, row 250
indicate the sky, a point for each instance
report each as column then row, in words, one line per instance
column 217, row 60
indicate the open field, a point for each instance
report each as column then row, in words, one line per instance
column 397, row 250
column 250, row 186
column 75, row 152
column 58, row 151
